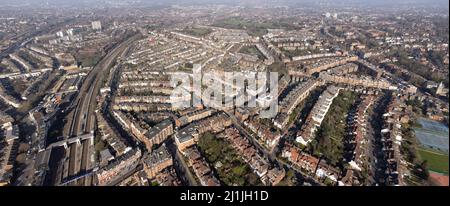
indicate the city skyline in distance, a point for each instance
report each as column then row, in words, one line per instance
column 254, row 3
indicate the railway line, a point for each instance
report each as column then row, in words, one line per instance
column 79, row 155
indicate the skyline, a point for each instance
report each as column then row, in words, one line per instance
column 295, row 3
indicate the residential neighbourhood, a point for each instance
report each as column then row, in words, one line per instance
column 272, row 93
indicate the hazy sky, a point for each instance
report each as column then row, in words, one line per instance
column 44, row 3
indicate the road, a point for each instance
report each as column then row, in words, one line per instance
column 377, row 163
column 25, row 37
column 181, row 164
column 249, row 136
column 269, row 155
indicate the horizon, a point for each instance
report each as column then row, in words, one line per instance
column 249, row 3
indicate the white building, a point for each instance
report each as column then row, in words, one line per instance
column 96, row 25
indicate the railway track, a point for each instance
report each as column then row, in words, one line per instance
column 83, row 119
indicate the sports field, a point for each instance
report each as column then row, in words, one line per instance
column 437, row 162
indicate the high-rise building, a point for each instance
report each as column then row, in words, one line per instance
column 441, row 90
column 96, row 25
column 335, row 16
column 60, row 34
column 70, row 32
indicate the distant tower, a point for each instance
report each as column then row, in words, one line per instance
column 335, row 16
column 96, row 25
column 60, row 34
column 440, row 89
column 70, row 32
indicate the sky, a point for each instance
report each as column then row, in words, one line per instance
column 81, row 3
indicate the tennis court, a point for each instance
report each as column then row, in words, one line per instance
column 433, row 135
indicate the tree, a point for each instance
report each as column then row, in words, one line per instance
column 421, row 170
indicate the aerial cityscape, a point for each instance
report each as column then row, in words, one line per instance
column 224, row 93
